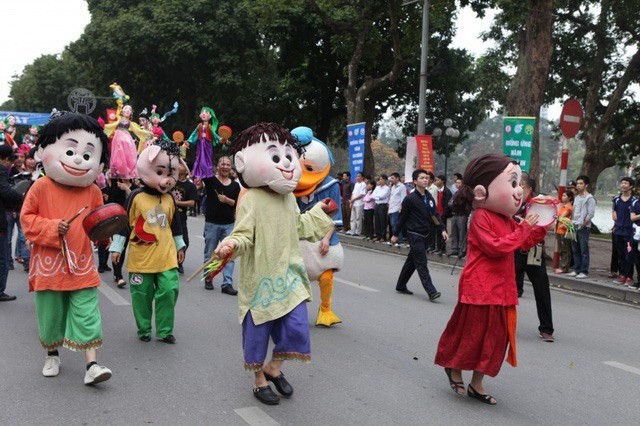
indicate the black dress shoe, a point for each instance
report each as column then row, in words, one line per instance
column 4, row 297
column 208, row 285
column 265, row 395
column 281, row 384
column 145, row 338
column 227, row 289
column 404, row 291
column 169, row 339
column 434, row 296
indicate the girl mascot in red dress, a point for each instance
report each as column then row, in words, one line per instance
column 483, row 323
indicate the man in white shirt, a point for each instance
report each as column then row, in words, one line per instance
column 398, row 192
column 357, row 204
column 381, row 196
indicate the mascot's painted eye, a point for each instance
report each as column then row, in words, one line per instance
column 288, row 157
column 309, row 168
column 514, row 184
column 275, row 159
column 87, row 156
column 159, row 172
column 70, row 152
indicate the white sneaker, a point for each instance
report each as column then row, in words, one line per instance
column 581, row 276
column 396, row 245
column 96, row 374
column 572, row 274
column 51, row 366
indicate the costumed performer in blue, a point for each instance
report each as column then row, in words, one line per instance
column 324, row 257
column 274, row 287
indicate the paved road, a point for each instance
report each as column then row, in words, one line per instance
column 374, row 368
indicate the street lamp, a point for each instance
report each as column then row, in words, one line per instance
column 449, row 132
column 424, row 52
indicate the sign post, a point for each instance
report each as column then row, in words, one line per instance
column 570, row 122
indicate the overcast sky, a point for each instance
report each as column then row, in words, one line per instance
column 38, row 27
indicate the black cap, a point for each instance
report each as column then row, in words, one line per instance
column 571, row 184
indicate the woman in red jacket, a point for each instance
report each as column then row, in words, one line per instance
column 483, row 322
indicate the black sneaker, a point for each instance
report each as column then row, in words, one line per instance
column 227, row 289
column 180, row 269
column 169, row 339
column 145, row 338
column 208, row 285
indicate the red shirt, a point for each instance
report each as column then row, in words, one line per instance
column 489, row 276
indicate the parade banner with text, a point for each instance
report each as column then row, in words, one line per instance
column 355, row 137
column 27, row 118
column 425, row 153
column 517, row 139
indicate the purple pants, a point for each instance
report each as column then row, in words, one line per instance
column 290, row 335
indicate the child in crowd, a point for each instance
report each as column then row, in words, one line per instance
column 369, row 206
column 563, row 240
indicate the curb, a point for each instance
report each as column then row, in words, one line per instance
column 594, row 287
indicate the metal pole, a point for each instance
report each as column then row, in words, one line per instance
column 422, row 105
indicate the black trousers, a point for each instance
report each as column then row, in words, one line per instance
column 624, row 257
column 380, row 220
column 441, row 244
column 367, row 224
column 117, row 267
column 416, row 260
column 540, row 280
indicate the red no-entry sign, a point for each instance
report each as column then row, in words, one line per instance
column 571, row 118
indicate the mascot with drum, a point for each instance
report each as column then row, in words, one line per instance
column 73, row 150
column 321, row 258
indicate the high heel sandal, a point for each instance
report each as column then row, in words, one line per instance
column 455, row 386
column 487, row 399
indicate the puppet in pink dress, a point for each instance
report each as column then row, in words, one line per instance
column 123, row 147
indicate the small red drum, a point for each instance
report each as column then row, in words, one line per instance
column 545, row 208
column 333, row 206
column 105, row 221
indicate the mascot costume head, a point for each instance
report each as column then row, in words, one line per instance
column 158, row 166
column 73, row 149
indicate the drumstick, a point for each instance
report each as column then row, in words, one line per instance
column 77, row 214
column 200, row 269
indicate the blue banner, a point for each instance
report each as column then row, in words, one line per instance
column 355, row 137
column 27, row 118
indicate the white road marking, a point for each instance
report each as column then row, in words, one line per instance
column 112, row 295
column 356, row 285
column 624, row 367
column 255, row 416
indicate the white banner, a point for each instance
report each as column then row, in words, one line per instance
column 411, row 158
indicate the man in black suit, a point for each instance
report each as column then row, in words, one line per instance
column 8, row 198
column 419, row 218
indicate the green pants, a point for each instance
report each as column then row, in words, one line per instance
column 70, row 319
column 161, row 287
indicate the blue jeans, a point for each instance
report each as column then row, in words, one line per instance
column 213, row 234
column 21, row 249
column 581, row 251
column 393, row 219
column 4, row 266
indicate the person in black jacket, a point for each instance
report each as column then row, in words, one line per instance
column 419, row 218
column 8, row 198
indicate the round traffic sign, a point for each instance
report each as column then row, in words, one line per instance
column 571, row 118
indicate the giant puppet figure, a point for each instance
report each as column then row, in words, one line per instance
column 123, row 146
column 73, row 150
column 321, row 258
column 274, row 287
column 155, row 242
column 483, row 323
column 204, row 137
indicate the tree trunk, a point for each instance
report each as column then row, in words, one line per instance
column 527, row 87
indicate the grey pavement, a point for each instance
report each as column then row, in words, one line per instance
column 376, row 368
column 598, row 283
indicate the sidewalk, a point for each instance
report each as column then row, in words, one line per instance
column 597, row 284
